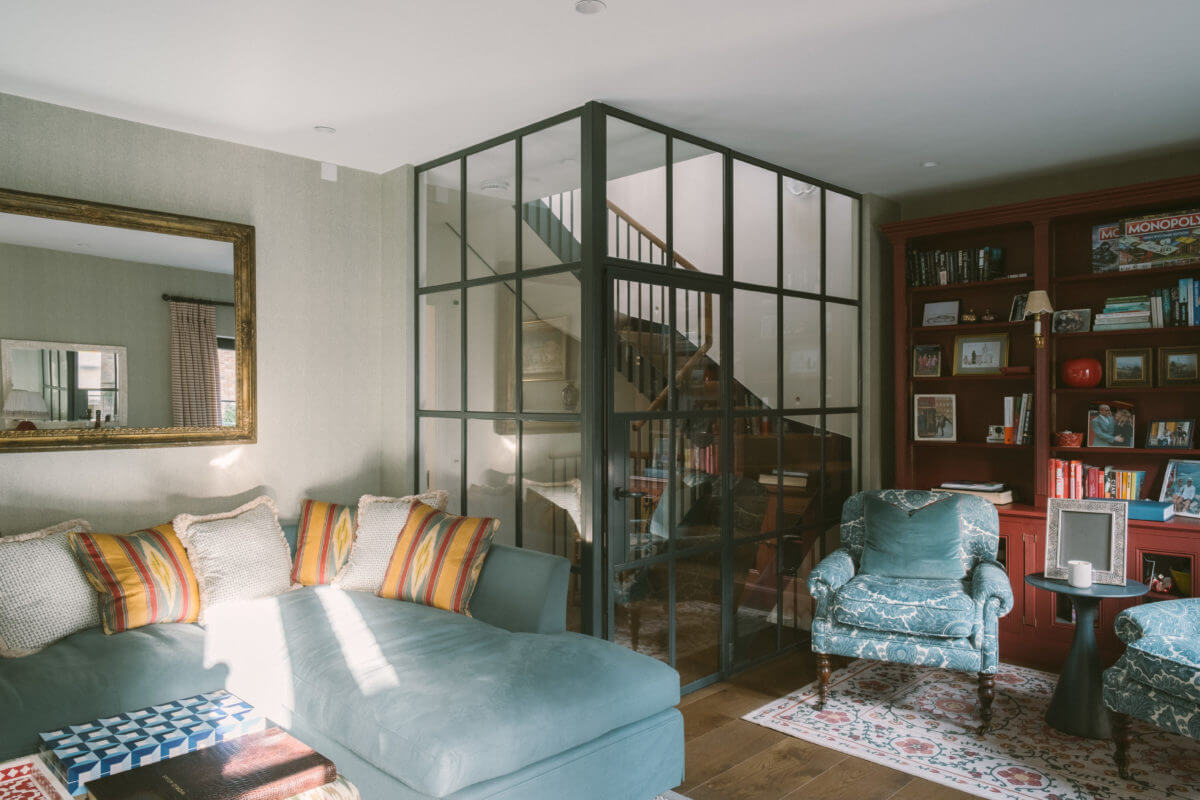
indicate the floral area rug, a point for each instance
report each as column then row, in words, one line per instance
column 922, row 721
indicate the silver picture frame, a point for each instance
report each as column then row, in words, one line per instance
column 1087, row 530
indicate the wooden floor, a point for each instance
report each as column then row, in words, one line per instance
column 730, row 759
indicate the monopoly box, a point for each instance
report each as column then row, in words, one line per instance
column 77, row 754
column 1158, row 240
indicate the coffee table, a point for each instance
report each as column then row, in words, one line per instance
column 1077, row 706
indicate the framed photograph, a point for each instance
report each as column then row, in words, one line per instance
column 1073, row 320
column 944, row 313
column 935, row 417
column 1128, row 367
column 1086, row 530
column 1180, row 482
column 1111, row 424
column 1178, row 366
column 1017, row 313
column 980, row 354
column 1170, row 433
column 927, row 361
column 544, row 350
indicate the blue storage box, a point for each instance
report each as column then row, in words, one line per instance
column 81, row 753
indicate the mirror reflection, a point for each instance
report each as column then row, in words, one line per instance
column 113, row 327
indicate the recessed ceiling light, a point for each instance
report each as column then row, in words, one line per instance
column 929, row 163
column 494, row 185
column 590, row 6
column 326, row 129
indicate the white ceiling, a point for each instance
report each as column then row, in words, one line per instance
column 124, row 244
column 858, row 92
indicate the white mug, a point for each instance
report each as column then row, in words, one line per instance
column 1080, row 573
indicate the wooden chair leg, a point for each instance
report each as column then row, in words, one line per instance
column 1122, row 738
column 987, row 695
column 824, row 669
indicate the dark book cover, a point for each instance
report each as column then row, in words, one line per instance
column 269, row 765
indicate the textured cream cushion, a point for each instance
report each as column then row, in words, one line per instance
column 380, row 520
column 44, row 594
column 238, row 555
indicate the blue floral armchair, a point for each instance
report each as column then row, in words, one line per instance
column 950, row 622
column 1157, row 680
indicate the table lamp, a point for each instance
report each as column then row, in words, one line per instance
column 1036, row 304
column 25, row 406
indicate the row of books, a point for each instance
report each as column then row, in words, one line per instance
column 704, row 459
column 942, row 267
column 1162, row 308
column 1018, row 421
column 1074, row 479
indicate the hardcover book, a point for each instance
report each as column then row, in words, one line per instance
column 268, row 765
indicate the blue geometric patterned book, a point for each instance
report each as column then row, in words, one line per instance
column 80, row 753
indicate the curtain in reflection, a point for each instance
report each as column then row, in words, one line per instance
column 195, row 371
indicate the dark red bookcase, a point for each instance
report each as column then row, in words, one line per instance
column 1049, row 240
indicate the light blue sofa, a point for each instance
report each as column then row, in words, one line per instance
column 950, row 622
column 409, row 702
column 1157, row 680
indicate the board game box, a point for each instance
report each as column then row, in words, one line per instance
column 1157, row 240
column 77, row 754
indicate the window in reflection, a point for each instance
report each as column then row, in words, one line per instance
column 491, row 218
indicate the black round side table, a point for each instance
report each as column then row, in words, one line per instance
column 1077, row 707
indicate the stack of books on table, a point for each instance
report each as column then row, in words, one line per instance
column 992, row 491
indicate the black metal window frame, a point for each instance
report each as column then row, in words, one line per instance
column 594, row 270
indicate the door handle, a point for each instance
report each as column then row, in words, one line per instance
column 621, row 493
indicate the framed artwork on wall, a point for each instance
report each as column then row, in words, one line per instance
column 927, row 361
column 980, row 354
column 944, row 313
column 1178, row 366
column 1129, row 367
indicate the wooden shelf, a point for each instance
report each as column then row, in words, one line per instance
column 978, row 445
column 1154, row 451
column 1111, row 390
column 1174, row 330
column 1123, row 275
column 954, row 287
column 955, row 378
column 998, row 325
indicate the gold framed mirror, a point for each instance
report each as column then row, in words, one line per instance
column 121, row 327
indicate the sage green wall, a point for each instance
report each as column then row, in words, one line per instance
column 320, row 360
column 55, row 296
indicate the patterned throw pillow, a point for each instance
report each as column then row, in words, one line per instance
column 379, row 522
column 142, row 578
column 44, row 595
column 323, row 540
column 237, row 555
column 437, row 559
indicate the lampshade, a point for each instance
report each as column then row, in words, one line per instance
column 24, row 404
column 1038, row 302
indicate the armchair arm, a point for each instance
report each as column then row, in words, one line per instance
column 990, row 581
column 830, row 575
column 1166, row 618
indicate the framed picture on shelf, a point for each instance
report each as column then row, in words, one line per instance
column 1086, row 530
column 943, row 313
column 1130, row 367
column 1073, row 320
column 927, row 361
column 1111, row 424
column 1170, row 433
column 1180, row 482
column 1178, row 366
column 980, row 354
column 935, row 417
column 1017, row 312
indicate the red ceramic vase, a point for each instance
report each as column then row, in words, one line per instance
column 1082, row 373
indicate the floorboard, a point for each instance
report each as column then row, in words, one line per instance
column 731, row 759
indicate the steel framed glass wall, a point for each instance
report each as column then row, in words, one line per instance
column 626, row 329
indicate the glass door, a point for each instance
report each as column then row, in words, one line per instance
column 667, row 499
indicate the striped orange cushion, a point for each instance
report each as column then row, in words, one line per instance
column 323, row 541
column 437, row 558
column 143, row 578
